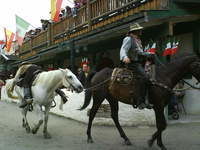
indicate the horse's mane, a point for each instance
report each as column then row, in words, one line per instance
column 180, row 59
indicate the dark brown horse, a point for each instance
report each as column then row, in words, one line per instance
column 169, row 75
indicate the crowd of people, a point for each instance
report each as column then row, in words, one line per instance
column 65, row 12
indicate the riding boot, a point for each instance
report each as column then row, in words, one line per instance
column 144, row 84
column 143, row 99
column 27, row 98
column 62, row 95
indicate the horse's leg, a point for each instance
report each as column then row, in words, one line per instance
column 40, row 114
column 97, row 100
column 46, row 117
column 161, row 126
column 114, row 114
column 24, row 120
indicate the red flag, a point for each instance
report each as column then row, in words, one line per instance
column 167, row 50
column 152, row 50
column 2, row 42
column 146, row 48
column 174, row 48
column 9, row 36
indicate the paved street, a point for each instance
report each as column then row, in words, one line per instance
column 70, row 135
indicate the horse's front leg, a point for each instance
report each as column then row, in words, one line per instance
column 161, row 126
column 40, row 114
column 25, row 123
column 46, row 117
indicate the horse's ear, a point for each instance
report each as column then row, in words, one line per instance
column 63, row 70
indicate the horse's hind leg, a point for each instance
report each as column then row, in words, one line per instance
column 114, row 114
column 97, row 100
column 161, row 126
column 40, row 114
column 25, row 121
column 46, row 117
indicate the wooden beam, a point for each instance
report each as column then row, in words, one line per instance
column 187, row 1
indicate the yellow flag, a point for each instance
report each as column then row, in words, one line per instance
column 55, row 9
column 9, row 36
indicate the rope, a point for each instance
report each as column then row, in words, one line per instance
column 97, row 85
column 194, row 87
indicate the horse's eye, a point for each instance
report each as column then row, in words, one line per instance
column 70, row 77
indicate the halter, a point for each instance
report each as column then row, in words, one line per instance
column 70, row 85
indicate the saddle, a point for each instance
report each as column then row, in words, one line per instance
column 123, row 83
column 33, row 77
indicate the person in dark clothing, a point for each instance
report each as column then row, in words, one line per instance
column 104, row 61
column 26, row 74
column 83, row 75
column 131, row 53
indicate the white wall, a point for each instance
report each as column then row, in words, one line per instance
column 192, row 97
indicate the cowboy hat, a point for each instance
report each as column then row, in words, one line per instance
column 135, row 27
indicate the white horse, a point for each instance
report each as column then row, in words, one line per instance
column 43, row 91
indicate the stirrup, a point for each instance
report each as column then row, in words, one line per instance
column 142, row 106
column 26, row 102
column 64, row 99
column 149, row 106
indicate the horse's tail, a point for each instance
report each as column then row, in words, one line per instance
column 87, row 99
column 9, row 92
column 88, row 93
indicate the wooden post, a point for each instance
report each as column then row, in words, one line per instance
column 170, row 28
column 31, row 44
column 72, row 57
column 89, row 14
column 49, row 34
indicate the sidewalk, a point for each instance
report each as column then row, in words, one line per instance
column 127, row 115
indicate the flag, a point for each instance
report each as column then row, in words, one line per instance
column 55, row 9
column 152, row 50
column 21, row 28
column 146, row 48
column 2, row 42
column 9, row 36
column 167, row 50
column 174, row 48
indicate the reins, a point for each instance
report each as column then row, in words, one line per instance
column 98, row 85
column 191, row 86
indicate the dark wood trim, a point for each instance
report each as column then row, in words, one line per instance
column 187, row 1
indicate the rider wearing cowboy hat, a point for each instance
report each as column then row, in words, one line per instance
column 130, row 53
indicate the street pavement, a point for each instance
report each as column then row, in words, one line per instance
column 71, row 135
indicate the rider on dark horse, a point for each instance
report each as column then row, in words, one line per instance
column 25, row 75
column 130, row 54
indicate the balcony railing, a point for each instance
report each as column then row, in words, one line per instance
column 94, row 14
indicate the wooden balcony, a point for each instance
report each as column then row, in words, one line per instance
column 96, row 14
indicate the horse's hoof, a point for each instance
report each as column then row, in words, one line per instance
column 28, row 129
column 34, row 131
column 47, row 136
column 150, row 143
column 127, row 142
column 90, row 141
column 163, row 148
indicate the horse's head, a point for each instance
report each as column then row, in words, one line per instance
column 71, row 81
column 195, row 69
